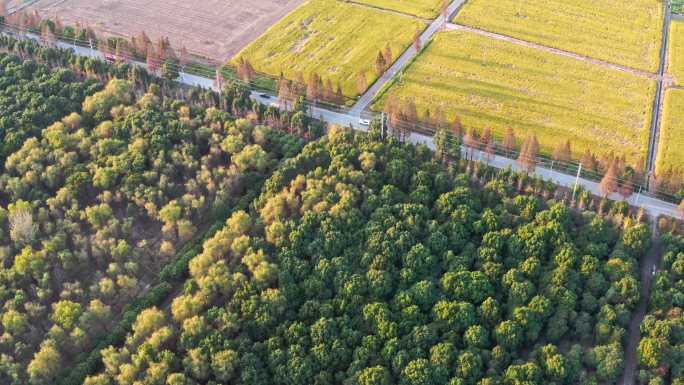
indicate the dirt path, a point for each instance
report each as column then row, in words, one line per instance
column 650, row 261
column 555, row 51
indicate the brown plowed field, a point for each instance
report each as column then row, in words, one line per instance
column 214, row 28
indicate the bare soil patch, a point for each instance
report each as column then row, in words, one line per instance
column 217, row 29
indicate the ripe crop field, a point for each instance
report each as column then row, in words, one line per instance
column 618, row 31
column 421, row 8
column 675, row 59
column 671, row 132
column 334, row 39
column 492, row 83
column 217, row 29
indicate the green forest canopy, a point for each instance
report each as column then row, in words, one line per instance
column 366, row 262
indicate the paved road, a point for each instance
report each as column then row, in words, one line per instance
column 556, row 51
column 653, row 207
column 657, row 103
column 405, row 58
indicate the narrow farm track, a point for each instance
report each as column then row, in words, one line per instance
column 367, row 98
column 658, row 102
column 386, row 10
column 649, row 264
column 555, row 51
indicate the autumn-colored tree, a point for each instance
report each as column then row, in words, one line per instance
column 339, row 96
column 387, row 54
column 588, row 161
column 245, row 71
column 680, row 208
column 486, row 137
column 562, row 152
column 361, row 82
column 509, row 141
column 299, row 86
column 313, row 92
column 141, row 43
column 470, row 140
column 285, row 95
column 328, row 91
column 392, row 109
column 121, row 51
column 46, row 35
column 58, row 26
column 527, row 160
column 609, row 183
column 410, row 111
column 417, row 44
column 439, row 118
column 380, row 64
column 183, row 57
column 163, row 48
column 152, row 60
column 3, row 9
column 489, row 150
column 218, row 80
column 456, row 128
column 445, row 9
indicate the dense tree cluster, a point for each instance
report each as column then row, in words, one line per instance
column 96, row 203
column 32, row 96
column 367, row 262
column 661, row 350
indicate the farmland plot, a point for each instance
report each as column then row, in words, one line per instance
column 336, row 40
column 621, row 32
column 491, row 83
column 675, row 58
column 671, row 147
column 217, row 29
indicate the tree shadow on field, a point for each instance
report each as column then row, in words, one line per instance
column 492, row 91
column 499, row 119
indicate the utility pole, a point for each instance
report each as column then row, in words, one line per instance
column 574, row 189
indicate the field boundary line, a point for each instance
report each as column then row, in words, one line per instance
column 387, row 10
column 555, row 51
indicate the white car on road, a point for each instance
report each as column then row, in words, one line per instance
column 364, row 122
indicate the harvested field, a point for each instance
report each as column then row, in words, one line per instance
column 496, row 84
column 617, row 31
column 671, row 143
column 336, row 40
column 213, row 28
